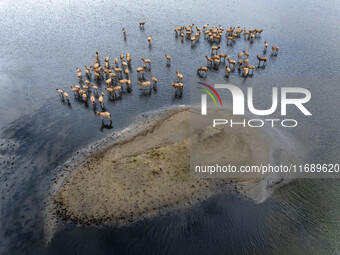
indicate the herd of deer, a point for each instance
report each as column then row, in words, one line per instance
column 214, row 35
column 114, row 74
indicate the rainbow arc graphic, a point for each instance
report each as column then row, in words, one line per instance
column 209, row 93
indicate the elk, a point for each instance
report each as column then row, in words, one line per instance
column 124, row 64
column 246, row 54
column 230, row 30
column 85, row 87
column 146, row 62
column 264, row 59
column 104, row 114
column 126, row 71
column 74, row 90
column 123, row 81
column 149, row 38
column 252, row 38
column 251, row 68
column 216, row 63
column 141, row 24
column 246, row 33
column 108, row 82
column 60, row 92
column 193, row 39
column 87, row 71
column 144, row 84
column 128, row 58
column 168, row 58
column 230, row 39
column 245, row 71
column 154, row 80
column 65, row 94
column 109, row 91
column 140, row 71
column 92, row 99
column 117, row 70
column 240, row 55
column 227, row 70
column 79, row 74
column 202, row 69
column 124, row 32
column 101, row 99
column 223, row 55
column 117, row 88
column 84, row 97
column 210, row 60
column 233, row 62
column 112, row 75
column 215, row 48
column 259, row 31
column 179, row 76
column 95, row 88
column 177, row 86
column 275, row 50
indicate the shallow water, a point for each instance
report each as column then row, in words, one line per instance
column 43, row 41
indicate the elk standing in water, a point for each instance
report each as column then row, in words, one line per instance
column 265, row 47
column 104, row 114
column 147, row 62
column 223, row 55
column 246, row 54
column 60, row 93
column 92, row 99
column 144, row 84
column 66, row 95
column 101, row 99
column 179, row 76
column 177, row 86
column 227, row 70
column 140, row 72
column 264, row 59
column 203, row 69
column 154, row 80
column 168, row 58
column 231, row 62
column 275, row 50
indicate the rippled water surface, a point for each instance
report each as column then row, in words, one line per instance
column 42, row 42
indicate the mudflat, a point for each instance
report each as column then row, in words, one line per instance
column 150, row 172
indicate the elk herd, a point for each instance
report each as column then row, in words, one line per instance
column 117, row 74
column 215, row 35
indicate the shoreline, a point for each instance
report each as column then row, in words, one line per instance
column 76, row 196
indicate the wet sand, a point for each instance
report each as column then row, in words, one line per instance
column 149, row 172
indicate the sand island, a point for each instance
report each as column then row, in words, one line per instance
column 141, row 176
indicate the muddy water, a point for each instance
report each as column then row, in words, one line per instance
column 41, row 44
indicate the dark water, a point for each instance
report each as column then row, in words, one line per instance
column 43, row 41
